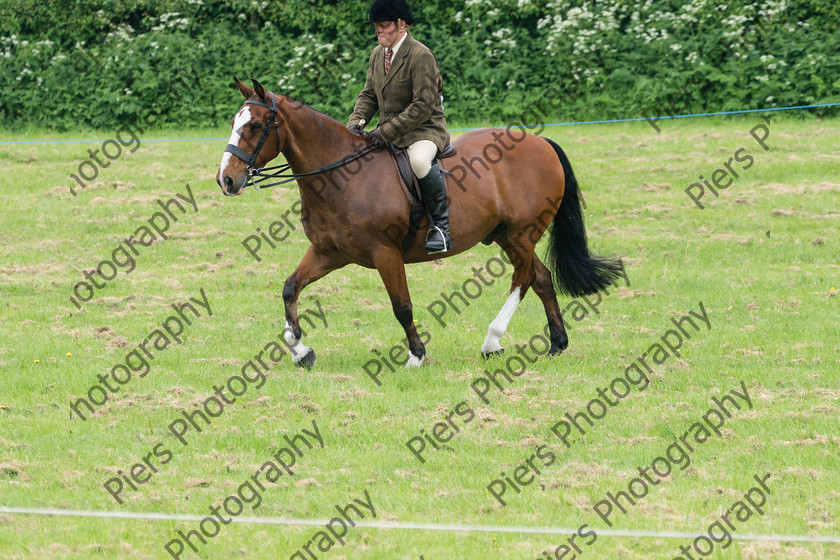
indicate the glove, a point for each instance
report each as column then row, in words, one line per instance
column 376, row 137
column 355, row 128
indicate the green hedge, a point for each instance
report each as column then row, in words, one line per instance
column 503, row 60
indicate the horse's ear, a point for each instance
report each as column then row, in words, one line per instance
column 243, row 89
column 258, row 89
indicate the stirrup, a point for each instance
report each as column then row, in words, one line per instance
column 442, row 236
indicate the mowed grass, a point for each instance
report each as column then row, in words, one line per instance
column 762, row 258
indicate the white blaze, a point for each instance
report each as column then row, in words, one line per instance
column 242, row 118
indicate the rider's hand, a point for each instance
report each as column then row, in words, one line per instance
column 355, row 128
column 376, row 137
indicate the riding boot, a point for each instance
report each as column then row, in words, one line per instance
column 433, row 189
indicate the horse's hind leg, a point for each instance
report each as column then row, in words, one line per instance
column 313, row 266
column 528, row 272
column 523, row 277
column 544, row 288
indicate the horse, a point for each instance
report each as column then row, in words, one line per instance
column 511, row 187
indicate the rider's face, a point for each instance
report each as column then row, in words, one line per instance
column 389, row 32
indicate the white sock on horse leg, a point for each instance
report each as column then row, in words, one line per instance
column 499, row 325
column 298, row 349
column 414, row 361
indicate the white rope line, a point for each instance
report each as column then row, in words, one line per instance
column 407, row 526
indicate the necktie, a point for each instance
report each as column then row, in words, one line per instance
column 388, row 54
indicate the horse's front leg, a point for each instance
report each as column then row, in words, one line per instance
column 313, row 266
column 391, row 267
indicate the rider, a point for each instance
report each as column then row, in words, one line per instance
column 404, row 84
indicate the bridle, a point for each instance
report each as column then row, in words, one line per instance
column 279, row 171
column 251, row 159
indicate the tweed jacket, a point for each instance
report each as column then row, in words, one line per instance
column 408, row 98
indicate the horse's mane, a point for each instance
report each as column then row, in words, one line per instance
column 331, row 120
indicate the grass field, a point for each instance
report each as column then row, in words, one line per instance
column 761, row 257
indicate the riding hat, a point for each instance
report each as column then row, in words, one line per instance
column 390, row 10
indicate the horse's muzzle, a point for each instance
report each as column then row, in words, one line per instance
column 228, row 188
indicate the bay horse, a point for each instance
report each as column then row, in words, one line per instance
column 518, row 184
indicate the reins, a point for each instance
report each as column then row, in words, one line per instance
column 279, row 171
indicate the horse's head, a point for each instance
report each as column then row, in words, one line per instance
column 255, row 140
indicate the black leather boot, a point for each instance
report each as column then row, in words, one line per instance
column 433, row 189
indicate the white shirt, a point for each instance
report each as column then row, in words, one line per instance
column 398, row 45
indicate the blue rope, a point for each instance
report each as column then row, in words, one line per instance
column 100, row 141
column 663, row 118
column 454, row 129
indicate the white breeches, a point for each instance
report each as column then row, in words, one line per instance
column 421, row 154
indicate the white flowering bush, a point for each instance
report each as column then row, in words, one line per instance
column 99, row 62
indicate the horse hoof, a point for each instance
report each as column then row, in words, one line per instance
column 308, row 360
column 493, row 354
column 556, row 350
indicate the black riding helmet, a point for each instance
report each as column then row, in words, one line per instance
column 390, row 10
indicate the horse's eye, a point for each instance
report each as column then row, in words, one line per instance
column 256, row 126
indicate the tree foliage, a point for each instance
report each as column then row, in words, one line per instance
column 97, row 63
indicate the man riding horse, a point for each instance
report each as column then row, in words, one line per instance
column 532, row 189
column 404, row 85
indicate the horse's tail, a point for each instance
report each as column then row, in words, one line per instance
column 575, row 271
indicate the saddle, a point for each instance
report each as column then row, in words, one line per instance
column 412, row 189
